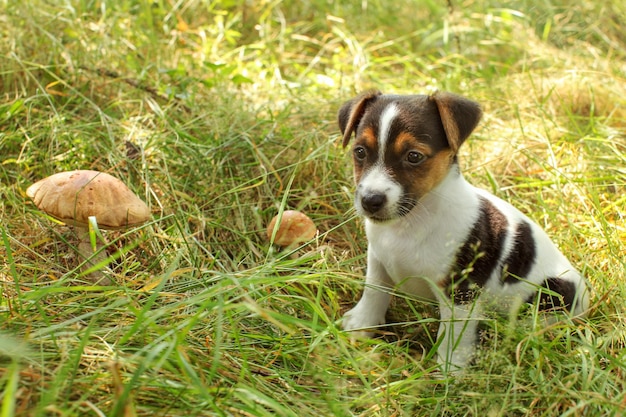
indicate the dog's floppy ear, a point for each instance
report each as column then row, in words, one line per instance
column 352, row 111
column 459, row 116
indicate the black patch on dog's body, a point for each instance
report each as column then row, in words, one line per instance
column 479, row 255
column 555, row 294
column 522, row 256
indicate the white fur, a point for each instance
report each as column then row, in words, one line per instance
column 386, row 118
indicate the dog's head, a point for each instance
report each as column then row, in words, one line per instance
column 404, row 147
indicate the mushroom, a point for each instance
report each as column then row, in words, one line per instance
column 74, row 196
column 294, row 228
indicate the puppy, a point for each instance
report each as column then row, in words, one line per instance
column 433, row 235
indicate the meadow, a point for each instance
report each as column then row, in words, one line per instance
column 220, row 114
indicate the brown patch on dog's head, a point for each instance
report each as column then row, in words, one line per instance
column 369, row 140
column 420, row 179
column 352, row 112
column 406, row 141
column 459, row 116
column 437, row 168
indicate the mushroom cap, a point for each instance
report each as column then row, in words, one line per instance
column 295, row 227
column 73, row 196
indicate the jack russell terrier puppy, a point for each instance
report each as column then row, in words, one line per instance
column 436, row 237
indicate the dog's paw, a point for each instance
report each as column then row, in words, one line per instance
column 360, row 320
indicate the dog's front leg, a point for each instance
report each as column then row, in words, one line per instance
column 458, row 335
column 371, row 308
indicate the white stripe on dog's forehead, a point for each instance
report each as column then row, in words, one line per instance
column 386, row 118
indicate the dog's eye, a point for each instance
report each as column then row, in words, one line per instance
column 360, row 153
column 414, row 157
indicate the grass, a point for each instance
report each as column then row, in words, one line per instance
column 219, row 114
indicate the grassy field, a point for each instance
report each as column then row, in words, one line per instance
column 220, row 114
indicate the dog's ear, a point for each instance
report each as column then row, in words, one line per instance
column 459, row 116
column 351, row 113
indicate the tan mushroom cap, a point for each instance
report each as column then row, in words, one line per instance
column 73, row 196
column 295, row 227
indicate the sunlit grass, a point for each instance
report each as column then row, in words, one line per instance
column 219, row 114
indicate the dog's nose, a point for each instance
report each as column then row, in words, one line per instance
column 373, row 202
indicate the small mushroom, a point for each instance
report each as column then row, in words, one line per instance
column 74, row 196
column 294, row 228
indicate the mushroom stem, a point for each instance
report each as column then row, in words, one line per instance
column 93, row 258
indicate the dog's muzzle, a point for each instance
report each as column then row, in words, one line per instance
column 378, row 196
